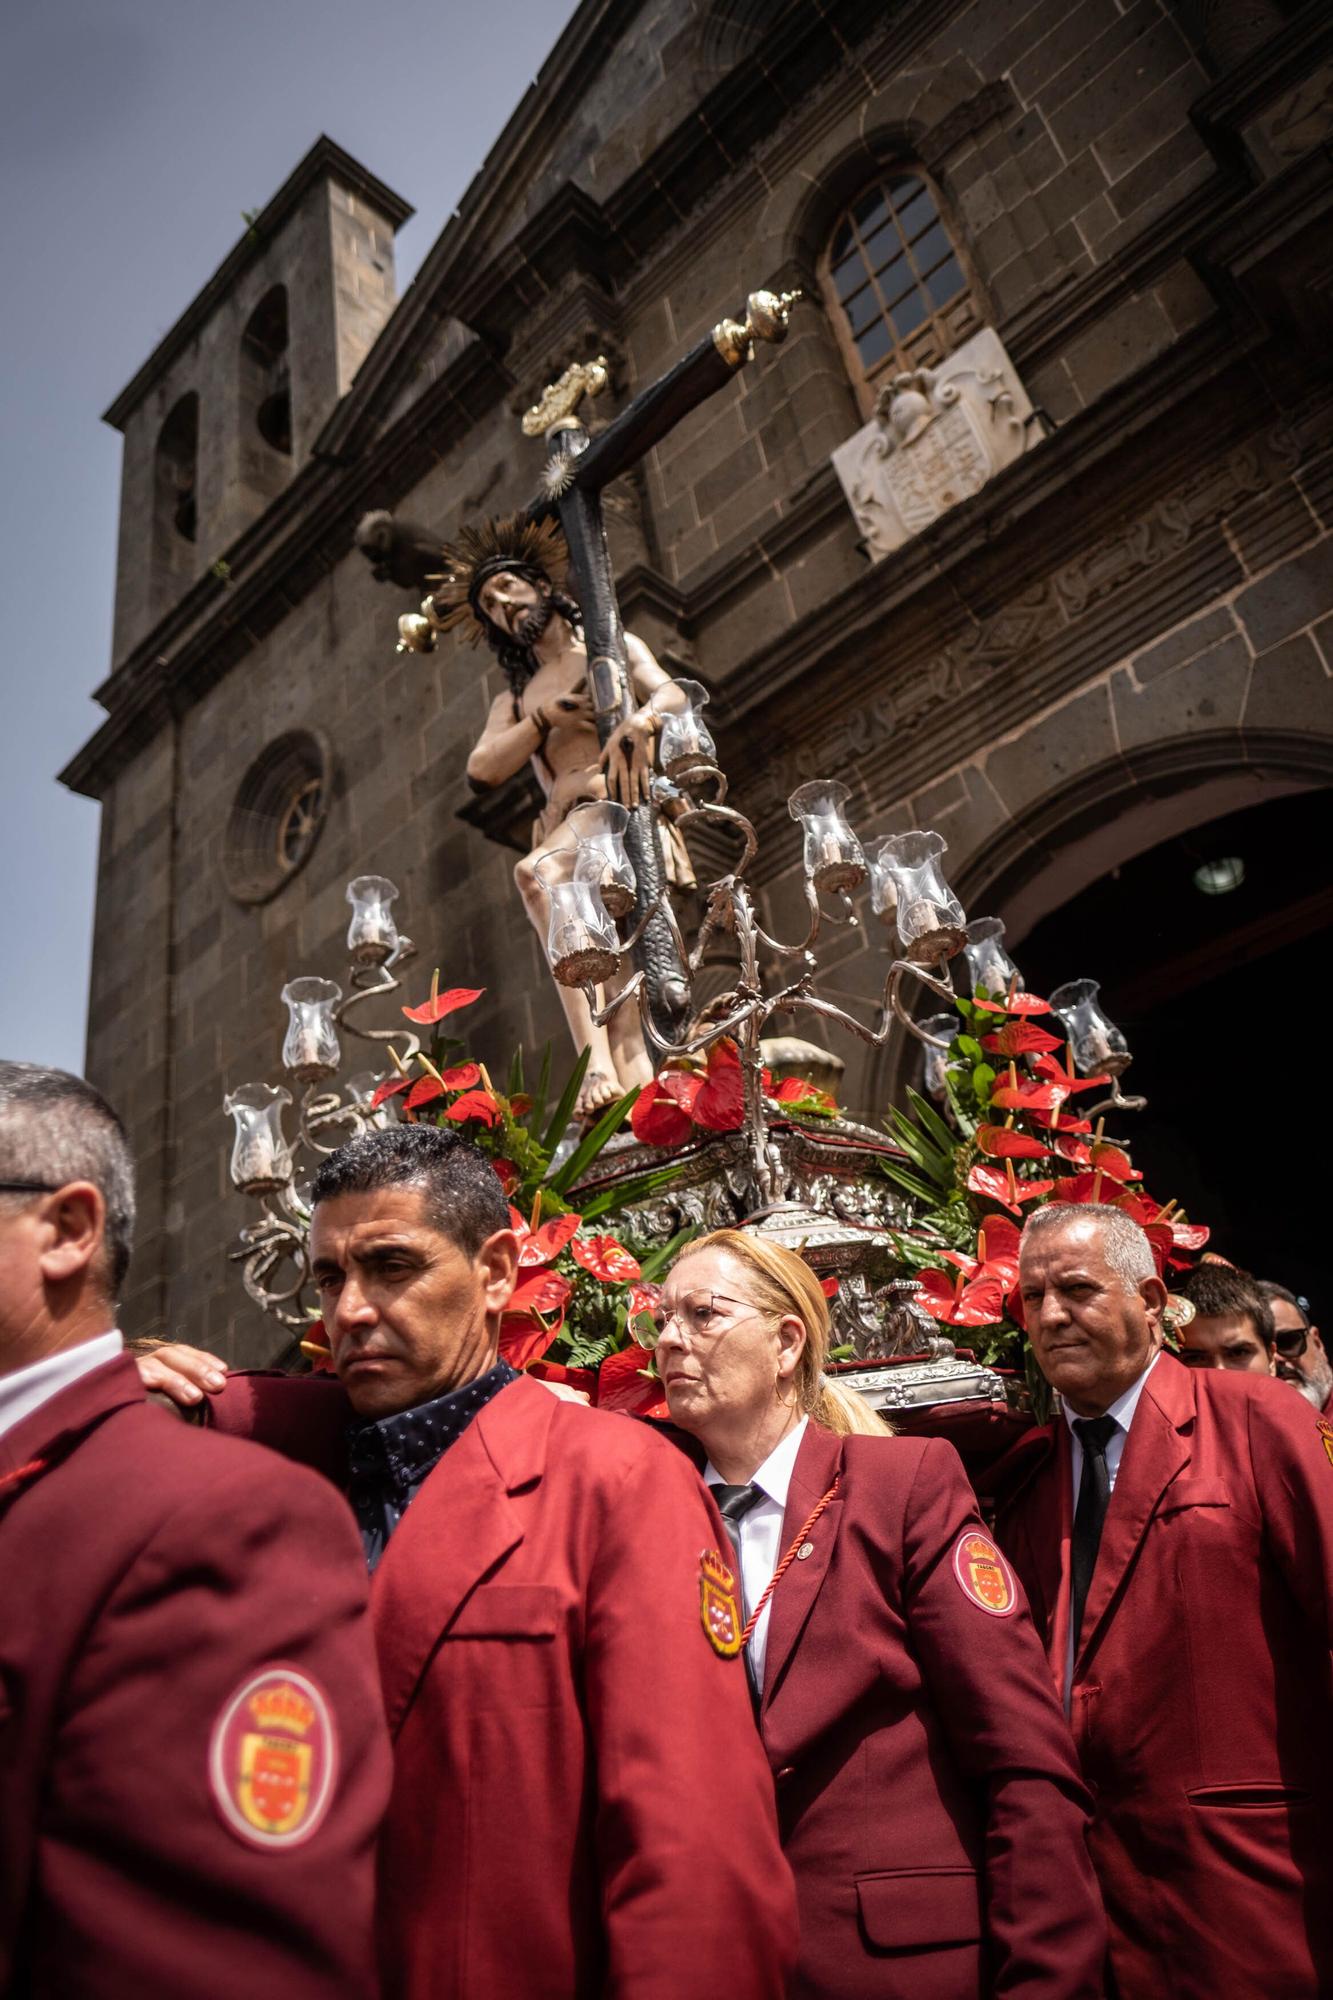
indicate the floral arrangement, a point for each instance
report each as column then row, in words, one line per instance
column 582, row 1309
column 1012, row 1140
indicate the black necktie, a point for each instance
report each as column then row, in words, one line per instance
column 1094, row 1492
column 733, row 1504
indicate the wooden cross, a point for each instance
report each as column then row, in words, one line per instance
column 577, row 471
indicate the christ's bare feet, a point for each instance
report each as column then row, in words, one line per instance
column 598, row 1094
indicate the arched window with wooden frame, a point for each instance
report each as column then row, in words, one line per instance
column 895, row 283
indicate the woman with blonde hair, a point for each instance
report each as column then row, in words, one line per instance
column 930, row 1802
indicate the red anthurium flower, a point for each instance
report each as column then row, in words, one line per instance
column 461, row 1077
column 542, row 1292
column 520, row 1104
column 1031, row 1096
column 960, row 1301
column 422, row 1092
column 1190, row 1235
column 799, row 1090
column 1022, row 1003
column 661, row 1114
column 622, row 1384
column 434, row 1010
column 720, row 1104
column 999, row 1143
column 315, row 1347
column 605, row 1258
column 1114, row 1162
column 389, row 1088
column 1020, row 1038
column 644, row 1298
column 524, row 1339
column 544, row 1245
column 1073, row 1149
column 1059, row 1121
column 477, row 1104
column 1055, row 1071
column 1005, row 1188
column 998, row 1237
column 1077, row 1187
column 507, row 1174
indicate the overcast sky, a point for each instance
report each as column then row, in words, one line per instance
column 132, row 135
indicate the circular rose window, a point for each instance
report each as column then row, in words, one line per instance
column 277, row 815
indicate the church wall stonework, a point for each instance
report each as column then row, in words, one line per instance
column 1122, row 633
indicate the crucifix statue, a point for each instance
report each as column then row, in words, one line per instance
column 579, row 705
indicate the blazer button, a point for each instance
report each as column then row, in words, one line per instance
column 787, row 1771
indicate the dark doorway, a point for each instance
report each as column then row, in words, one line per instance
column 1227, row 1002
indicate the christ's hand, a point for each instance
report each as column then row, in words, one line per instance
column 628, row 761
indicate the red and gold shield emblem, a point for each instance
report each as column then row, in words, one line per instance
column 984, row 1575
column 1325, row 1429
column 273, row 1758
column 719, row 1606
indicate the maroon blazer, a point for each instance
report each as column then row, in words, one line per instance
column 580, row 1805
column 928, row 1793
column 1201, row 1689
column 193, row 1761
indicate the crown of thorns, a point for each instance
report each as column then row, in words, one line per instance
column 508, row 541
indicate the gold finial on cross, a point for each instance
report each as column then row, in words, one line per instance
column 766, row 317
column 561, row 399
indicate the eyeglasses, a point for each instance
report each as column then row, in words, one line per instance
column 695, row 1316
column 29, row 1187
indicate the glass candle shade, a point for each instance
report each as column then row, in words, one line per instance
column 581, row 938
column 943, row 1027
column 1097, row 1045
column 600, row 859
column 372, row 935
column 929, row 916
column 358, row 1090
column 987, row 960
column 833, row 857
column 684, row 745
column 310, row 1049
column 261, row 1160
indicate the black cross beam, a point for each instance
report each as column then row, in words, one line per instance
column 577, row 471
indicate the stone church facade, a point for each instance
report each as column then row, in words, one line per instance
column 1094, row 613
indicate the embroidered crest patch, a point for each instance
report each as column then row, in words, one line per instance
column 1325, row 1429
column 984, row 1575
column 719, row 1606
column 273, row 1758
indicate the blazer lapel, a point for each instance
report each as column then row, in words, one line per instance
column 818, row 1463
column 459, row 1527
column 1155, row 1453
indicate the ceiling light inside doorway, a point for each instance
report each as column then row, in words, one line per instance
column 1218, row 878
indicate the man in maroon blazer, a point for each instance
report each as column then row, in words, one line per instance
column 193, row 1763
column 581, row 1804
column 1173, row 1529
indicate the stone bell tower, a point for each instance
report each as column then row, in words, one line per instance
column 226, row 410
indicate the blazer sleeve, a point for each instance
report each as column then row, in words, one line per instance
column 696, row 1894
column 1291, row 1452
column 151, row 1839
column 969, row 1628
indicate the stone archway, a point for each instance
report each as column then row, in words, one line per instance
column 1117, row 807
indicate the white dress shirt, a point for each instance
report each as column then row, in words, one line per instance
column 28, row 1388
column 1122, row 1410
column 761, row 1534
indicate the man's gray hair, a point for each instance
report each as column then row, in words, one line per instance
column 1128, row 1250
column 55, row 1128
